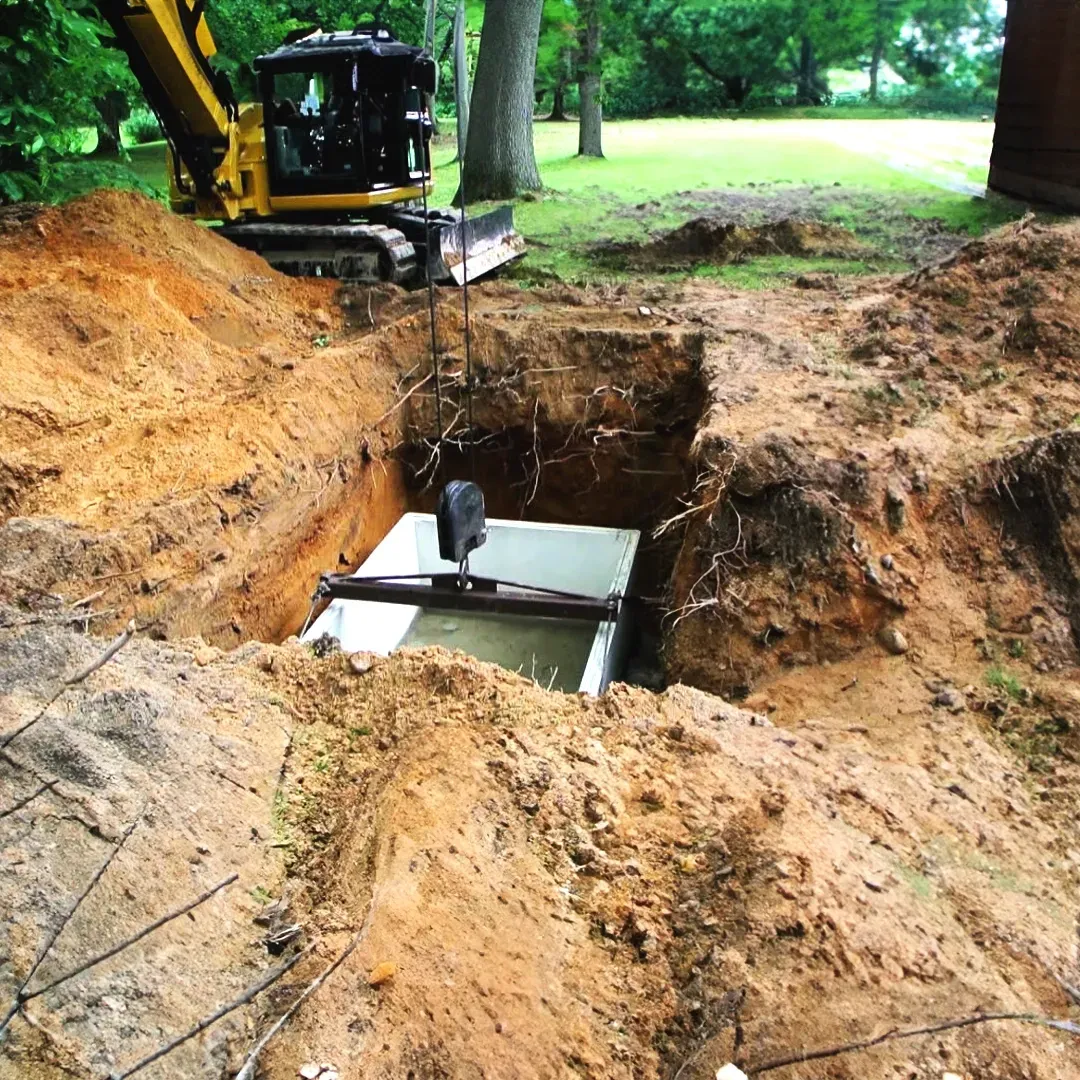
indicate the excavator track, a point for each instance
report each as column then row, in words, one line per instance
column 358, row 253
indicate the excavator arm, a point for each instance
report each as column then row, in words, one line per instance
column 169, row 46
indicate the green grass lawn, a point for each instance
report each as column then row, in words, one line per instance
column 895, row 182
column 884, row 179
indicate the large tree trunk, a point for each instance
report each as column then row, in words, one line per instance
column 558, row 102
column 808, row 89
column 112, row 109
column 591, row 111
column 875, row 66
column 499, row 159
column 461, row 79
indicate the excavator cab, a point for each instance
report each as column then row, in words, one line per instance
column 344, row 115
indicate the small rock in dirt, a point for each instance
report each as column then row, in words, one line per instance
column 887, row 562
column 871, row 575
column 325, row 645
column 206, row 654
column 895, row 506
column 382, row 973
column 361, row 663
column 310, row 1071
column 950, row 699
column 643, row 310
column 730, row 1072
column 873, row 886
column 893, row 641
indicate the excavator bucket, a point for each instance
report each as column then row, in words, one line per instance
column 490, row 241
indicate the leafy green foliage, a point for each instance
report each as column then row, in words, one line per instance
column 52, row 66
column 60, row 79
column 142, row 127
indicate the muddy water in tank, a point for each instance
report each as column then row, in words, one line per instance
column 554, row 652
column 570, row 654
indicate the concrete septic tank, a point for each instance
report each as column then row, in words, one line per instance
column 567, row 654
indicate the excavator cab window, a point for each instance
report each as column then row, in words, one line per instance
column 343, row 114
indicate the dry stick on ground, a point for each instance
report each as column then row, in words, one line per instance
column 247, row 1071
column 128, row 942
column 47, row 786
column 51, row 940
column 245, row 998
column 71, row 680
column 909, row 1033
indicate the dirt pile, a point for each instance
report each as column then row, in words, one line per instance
column 615, row 887
column 1010, row 298
column 859, row 509
column 717, row 240
column 166, row 390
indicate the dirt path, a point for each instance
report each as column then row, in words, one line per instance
column 858, row 504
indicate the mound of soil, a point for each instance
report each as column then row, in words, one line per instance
column 884, row 837
column 1009, row 297
column 548, row 884
column 717, row 240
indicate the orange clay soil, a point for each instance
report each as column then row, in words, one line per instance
column 859, row 510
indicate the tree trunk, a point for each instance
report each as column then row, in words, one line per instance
column 808, row 92
column 429, row 46
column 875, row 66
column 591, row 111
column 112, row 109
column 461, row 79
column 499, row 159
column 558, row 102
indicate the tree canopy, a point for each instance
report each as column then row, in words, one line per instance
column 59, row 79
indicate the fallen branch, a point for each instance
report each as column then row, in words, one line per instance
column 72, row 680
column 245, row 998
column 114, row 647
column 29, row 798
column 909, row 1033
column 90, row 599
column 51, row 941
column 247, row 1070
column 128, row 942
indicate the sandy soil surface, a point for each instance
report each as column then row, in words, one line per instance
column 859, row 502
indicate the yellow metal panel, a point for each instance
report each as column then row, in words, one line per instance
column 345, row 200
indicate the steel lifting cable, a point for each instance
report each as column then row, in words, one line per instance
column 468, row 329
column 425, row 176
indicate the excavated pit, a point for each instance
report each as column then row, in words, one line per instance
column 602, row 440
column 572, row 427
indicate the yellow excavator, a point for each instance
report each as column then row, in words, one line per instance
column 329, row 173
